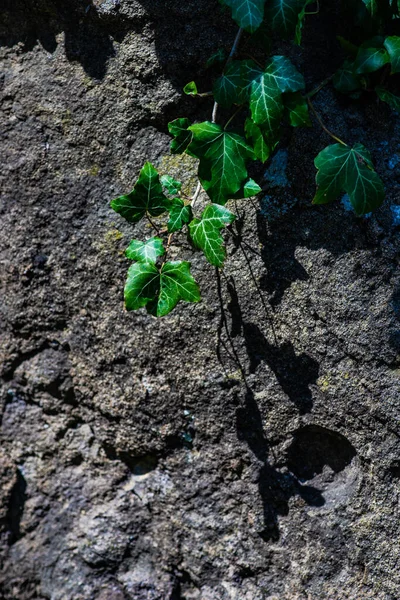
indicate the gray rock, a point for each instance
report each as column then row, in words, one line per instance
column 245, row 448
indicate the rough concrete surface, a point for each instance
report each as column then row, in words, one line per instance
column 243, row 448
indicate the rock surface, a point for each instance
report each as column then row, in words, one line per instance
column 245, row 448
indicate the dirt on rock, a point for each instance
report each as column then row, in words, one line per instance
column 243, row 448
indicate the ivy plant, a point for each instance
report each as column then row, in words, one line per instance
column 258, row 99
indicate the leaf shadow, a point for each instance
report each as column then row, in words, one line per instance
column 276, row 487
column 88, row 37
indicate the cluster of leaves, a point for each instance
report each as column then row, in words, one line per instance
column 369, row 67
column 264, row 96
column 153, row 281
column 285, row 17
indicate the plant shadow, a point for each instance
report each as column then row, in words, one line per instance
column 276, row 487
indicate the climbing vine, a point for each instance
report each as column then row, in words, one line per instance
column 260, row 97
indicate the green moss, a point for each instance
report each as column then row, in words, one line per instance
column 94, row 170
column 183, row 168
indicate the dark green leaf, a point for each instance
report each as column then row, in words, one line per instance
column 146, row 196
column 345, row 80
column 170, row 184
column 145, row 251
column 205, row 232
column 179, row 214
column 248, row 14
column 266, row 91
column 370, row 59
column 341, row 168
column 297, row 107
column 183, row 137
column 218, row 57
column 190, row 89
column 160, row 290
column 283, row 15
column 229, row 88
column 223, row 158
column 142, row 285
column 392, row 45
column 389, row 98
column 350, row 49
column 262, row 140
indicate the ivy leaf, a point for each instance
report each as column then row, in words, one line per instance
column 218, row 57
column 183, row 137
column 179, row 214
column 190, row 89
column 348, row 47
column 392, row 45
column 170, row 184
column 283, row 15
column 297, row 108
column 345, row 80
column 248, row 14
column 205, row 232
column 228, row 89
column 266, row 89
column 146, row 197
column 159, row 290
column 389, row 98
column 249, row 189
column 370, row 59
column 223, row 156
column 263, row 141
column 341, row 168
column 145, row 251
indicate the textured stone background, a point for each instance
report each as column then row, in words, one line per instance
column 245, row 448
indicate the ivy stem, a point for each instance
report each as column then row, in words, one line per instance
column 233, row 116
column 235, row 46
column 332, row 135
column 167, row 248
column 319, row 87
column 152, row 223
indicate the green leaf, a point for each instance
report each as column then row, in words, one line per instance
column 170, row 184
column 267, row 88
column 392, row 45
column 183, row 137
column 370, row 59
column 223, row 157
column 205, row 232
column 146, row 196
column 145, row 251
column 345, row 80
column 218, row 57
column 263, row 142
column 142, row 285
column 190, row 89
column 297, row 107
column 348, row 47
column 179, row 214
column 389, row 98
column 159, row 290
column 341, row 168
column 228, row 89
column 248, row 14
column 284, row 15
column 249, row 189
